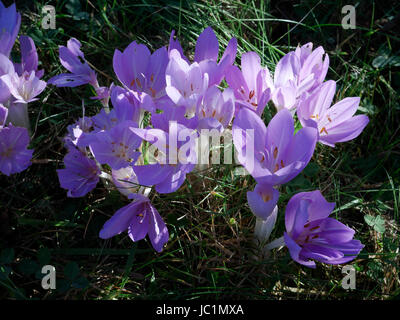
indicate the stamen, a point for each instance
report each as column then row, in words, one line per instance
column 323, row 130
column 276, row 168
column 266, row 197
column 251, row 94
column 315, row 228
column 282, row 165
column 138, row 83
column 275, row 152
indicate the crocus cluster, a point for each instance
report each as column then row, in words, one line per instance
column 275, row 154
column 20, row 84
column 145, row 137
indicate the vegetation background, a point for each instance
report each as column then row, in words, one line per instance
column 210, row 254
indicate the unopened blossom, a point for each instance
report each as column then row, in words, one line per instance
column 139, row 218
column 29, row 58
column 73, row 59
column 312, row 235
column 250, row 83
column 10, row 21
column 125, row 180
column 80, row 174
column 335, row 123
column 262, row 200
column 273, row 155
column 14, row 155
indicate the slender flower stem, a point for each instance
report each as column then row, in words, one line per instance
column 263, row 230
column 279, row 242
column 18, row 115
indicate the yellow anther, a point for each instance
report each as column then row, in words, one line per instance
column 266, row 197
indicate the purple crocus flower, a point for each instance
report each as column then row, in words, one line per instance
column 24, row 88
column 278, row 155
column 171, row 112
column 311, row 234
column 80, row 175
column 73, row 60
column 215, row 109
column 14, row 155
column 206, row 54
column 16, row 91
column 298, row 72
column 126, row 105
column 142, row 72
column 29, row 58
column 78, row 133
column 103, row 93
column 173, row 155
column 139, row 218
column 335, row 123
column 117, row 146
column 10, row 21
column 250, row 84
column 185, row 83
